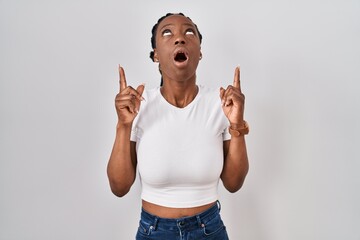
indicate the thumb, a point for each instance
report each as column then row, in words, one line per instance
column 222, row 91
column 140, row 89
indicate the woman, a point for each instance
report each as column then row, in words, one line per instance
column 183, row 138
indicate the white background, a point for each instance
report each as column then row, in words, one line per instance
column 300, row 63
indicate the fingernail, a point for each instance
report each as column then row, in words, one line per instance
column 142, row 98
column 136, row 110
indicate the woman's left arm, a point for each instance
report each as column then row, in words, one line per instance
column 236, row 163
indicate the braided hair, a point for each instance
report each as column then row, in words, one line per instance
column 153, row 36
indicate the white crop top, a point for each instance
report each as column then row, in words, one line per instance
column 180, row 150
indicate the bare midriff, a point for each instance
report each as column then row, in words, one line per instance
column 166, row 212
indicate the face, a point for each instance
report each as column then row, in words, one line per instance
column 177, row 47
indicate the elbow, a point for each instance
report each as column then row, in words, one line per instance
column 119, row 194
column 233, row 188
column 234, row 173
column 118, row 189
column 120, row 184
column 234, row 184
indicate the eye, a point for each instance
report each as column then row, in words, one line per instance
column 190, row 32
column 166, row 32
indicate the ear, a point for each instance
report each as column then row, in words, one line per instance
column 156, row 59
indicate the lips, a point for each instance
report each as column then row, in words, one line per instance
column 181, row 56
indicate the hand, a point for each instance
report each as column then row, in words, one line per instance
column 233, row 100
column 127, row 101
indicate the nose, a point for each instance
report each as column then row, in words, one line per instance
column 179, row 40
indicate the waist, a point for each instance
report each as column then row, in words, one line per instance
column 169, row 212
column 194, row 220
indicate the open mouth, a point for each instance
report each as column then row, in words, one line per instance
column 180, row 57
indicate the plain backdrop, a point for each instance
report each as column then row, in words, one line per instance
column 300, row 63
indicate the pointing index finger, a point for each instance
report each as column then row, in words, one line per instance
column 236, row 83
column 122, row 79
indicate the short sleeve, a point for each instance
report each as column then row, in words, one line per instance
column 226, row 135
column 134, row 135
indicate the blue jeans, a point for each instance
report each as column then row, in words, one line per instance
column 206, row 225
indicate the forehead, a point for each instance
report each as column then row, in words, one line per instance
column 175, row 20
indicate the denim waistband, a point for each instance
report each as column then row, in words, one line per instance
column 184, row 222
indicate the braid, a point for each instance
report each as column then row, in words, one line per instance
column 153, row 36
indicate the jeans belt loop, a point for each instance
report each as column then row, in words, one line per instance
column 199, row 220
column 218, row 204
column 155, row 223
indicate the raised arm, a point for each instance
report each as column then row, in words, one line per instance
column 121, row 168
column 236, row 163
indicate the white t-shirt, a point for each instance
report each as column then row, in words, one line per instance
column 180, row 150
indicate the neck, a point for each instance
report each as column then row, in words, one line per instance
column 179, row 93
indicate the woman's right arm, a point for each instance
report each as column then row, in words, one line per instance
column 121, row 168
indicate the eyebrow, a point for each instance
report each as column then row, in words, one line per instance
column 171, row 24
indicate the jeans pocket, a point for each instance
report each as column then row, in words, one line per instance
column 213, row 226
column 144, row 228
